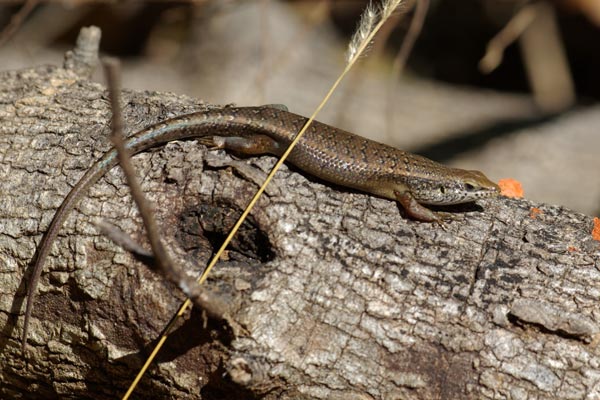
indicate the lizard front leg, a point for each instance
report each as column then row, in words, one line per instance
column 414, row 209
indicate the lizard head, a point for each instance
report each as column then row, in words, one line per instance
column 455, row 186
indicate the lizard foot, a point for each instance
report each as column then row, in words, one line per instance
column 210, row 142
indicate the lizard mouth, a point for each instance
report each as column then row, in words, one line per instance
column 461, row 198
column 483, row 194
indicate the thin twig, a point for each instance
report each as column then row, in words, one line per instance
column 17, row 20
column 511, row 32
column 414, row 30
column 112, row 71
column 123, row 240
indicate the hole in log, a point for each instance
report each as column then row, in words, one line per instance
column 214, row 221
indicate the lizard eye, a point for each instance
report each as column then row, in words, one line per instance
column 442, row 190
column 469, row 187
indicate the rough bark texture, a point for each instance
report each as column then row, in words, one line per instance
column 340, row 297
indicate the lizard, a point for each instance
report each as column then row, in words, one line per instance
column 325, row 152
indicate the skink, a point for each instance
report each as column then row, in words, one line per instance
column 324, row 151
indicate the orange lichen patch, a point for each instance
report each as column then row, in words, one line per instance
column 596, row 229
column 511, row 188
column 533, row 214
column 572, row 249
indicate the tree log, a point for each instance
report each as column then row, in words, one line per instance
column 338, row 296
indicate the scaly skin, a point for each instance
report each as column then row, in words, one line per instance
column 324, row 151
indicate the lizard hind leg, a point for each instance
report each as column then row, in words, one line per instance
column 247, row 145
column 208, row 142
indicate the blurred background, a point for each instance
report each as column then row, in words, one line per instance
column 507, row 87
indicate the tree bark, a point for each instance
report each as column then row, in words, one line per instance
column 337, row 294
